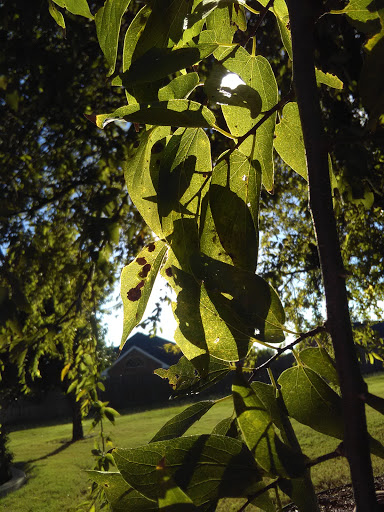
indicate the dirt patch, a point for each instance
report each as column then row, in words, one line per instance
column 339, row 499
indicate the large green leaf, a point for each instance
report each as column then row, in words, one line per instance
column 289, row 142
column 165, row 25
column 189, row 334
column 310, row 401
column 249, row 296
column 360, row 10
column 108, row 21
column 227, row 337
column 258, row 432
column 56, row 14
column 180, row 423
column 205, row 467
column 234, row 201
column 142, row 175
column 224, row 22
column 79, row 7
column 171, row 497
column 121, row 496
column 179, row 88
column 185, row 379
column 266, row 393
column 137, row 281
column 184, row 169
column 132, row 35
column 227, row 427
column 320, row 361
column 257, row 74
column 164, row 113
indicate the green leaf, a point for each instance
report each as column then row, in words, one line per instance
column 56, row 14
column 189, row 334
column 266, row 393
column 163, row 113
column 227, row 427
column 158, row 63
column 141, row 173
column 289, row 141
column 234, row 201
column 185, row 379
column 359, row 10
column 257, row 74
column 121, row 496
column 78, row 7
column 309, row 400
column 185, row 167
column 249, row 296
column 180, row 423
column 179, row 88
column 328, row 79
column 227, row 337
column 320, row 361
column 171, row 497
column 108, row 21
column 280, row 10
column 223, row 23
column 132, row 35
column 300, row 492
column 258, row 432
column 137, row 280
column 205, row 467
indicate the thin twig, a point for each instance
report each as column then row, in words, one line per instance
column 263, row 14
column 302, row 337
column 258, row 493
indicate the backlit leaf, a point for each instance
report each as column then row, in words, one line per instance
column 108, row 21
column 79, row 7
column 171, row 497
column 289, row 141
column 359, row 10
column 121, row 496
column 180, row 423
column 259, row 434
column 179, row 88
column 56, row 14
column 227, row 427
column 185, row 379
column 234, row 201
column 328, row 79
column 310, row 401
column 320, row 361
column 137, row 280
column 141, row 173
column 256, row 73
column 163, row 113
column 205, row 467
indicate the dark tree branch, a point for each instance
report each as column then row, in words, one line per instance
column 302, row 20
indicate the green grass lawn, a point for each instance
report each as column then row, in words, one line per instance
column 55, row 468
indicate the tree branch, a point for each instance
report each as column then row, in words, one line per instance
column 302, row 21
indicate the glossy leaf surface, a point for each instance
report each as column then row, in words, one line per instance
column 79, row 7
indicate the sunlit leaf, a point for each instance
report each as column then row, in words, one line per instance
column 328, row 79
column 256, row 73
column 179, row 88
column 289, row 141
column 79, row 7
column 180, row 423
column 171, row 497
column 234, row 202
column 205, row 467
column 185, row 379
column 258, row 432
column 163, row 113
column 320, row 361
column 141, row 173
column 227, row 427
column 310, row 401
column 108, row 21
column 121, row 496
column 56, row 14
column 185, row 167
column 137, row 280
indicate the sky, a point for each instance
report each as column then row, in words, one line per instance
column 114, row 321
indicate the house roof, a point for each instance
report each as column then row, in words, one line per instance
column 152, row 347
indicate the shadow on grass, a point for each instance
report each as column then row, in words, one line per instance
column 61, row 448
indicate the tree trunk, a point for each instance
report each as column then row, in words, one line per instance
column 77, row 420
column 356, row 440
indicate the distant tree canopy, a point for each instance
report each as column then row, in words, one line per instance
column 63, row 203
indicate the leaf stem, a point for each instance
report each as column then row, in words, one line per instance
column 223, row 132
